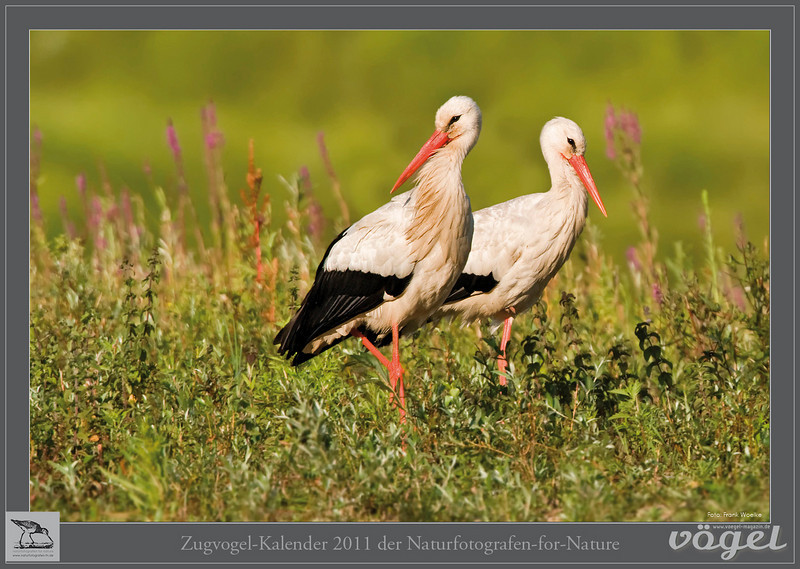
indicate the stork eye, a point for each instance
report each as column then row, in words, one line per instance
column 453, row 120
column 571, row 143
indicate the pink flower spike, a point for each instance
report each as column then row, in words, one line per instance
column 80, row 181
column 633, row 259
column 610, row 123
column 68, row 225
column 658, row 296
column 701, row 222
column 35, row 209
column 629, row 123
column 172, row 140
column 96, row 212
column 125, row 203
column 211, row 114
column 316, row 220
column 305, row 177
column 214, row 139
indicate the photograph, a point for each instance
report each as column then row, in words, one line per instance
column 355, row 293
column 571, row 276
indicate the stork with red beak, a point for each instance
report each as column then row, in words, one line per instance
column 386, row 274
column 519, row 245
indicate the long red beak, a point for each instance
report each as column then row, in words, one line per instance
column 579, row 163
column 437, row 140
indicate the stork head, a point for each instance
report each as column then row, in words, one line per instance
column 563, row 144
column 460, row 118
column 458, row 124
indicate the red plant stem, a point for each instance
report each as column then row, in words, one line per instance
column 257, row 237
column 254, row 179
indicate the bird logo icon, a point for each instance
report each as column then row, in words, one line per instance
column 29, row 529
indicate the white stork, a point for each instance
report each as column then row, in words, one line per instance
column 386, row 274
column 519, row 245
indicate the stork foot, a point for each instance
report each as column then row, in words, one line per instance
column 393, row 366
column 502, row 364
column 502, row 361
column 396, row 377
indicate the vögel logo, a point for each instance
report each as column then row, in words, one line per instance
column 731, row 542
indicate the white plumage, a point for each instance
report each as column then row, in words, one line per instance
column 387, row 273
column 519, row 245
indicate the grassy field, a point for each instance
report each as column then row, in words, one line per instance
column 637, row 392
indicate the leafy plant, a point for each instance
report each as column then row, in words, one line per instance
column 634, row 393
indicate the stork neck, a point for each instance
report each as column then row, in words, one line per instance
column 567, row 199
column 442, row 172
column 564, row 179
column 440, row 202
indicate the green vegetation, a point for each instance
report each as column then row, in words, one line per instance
column 636, row 392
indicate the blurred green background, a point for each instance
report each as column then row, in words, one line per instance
column 702, row 99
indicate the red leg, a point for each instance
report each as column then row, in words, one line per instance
column 396, row 372
column 394, row 367
column 373, row 350
column 502, row 362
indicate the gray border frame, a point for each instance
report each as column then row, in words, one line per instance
column 149, row 543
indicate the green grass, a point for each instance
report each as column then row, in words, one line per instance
column 635, row 393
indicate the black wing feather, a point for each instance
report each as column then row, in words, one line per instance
column 468, row 284
column 334, row 298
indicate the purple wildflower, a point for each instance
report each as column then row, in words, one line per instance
column 658, row 296
column 96, row 213
column 172, row 141
column 316, row 221
column 305, row 178
column 69, row 227
column 95, row 218
column 610, row 124
column 210, row 114
column 80, row 182
column 214, row 139
column 36, row 211
column 125, row 205
column 633, row 259
column 213, row 136
column 629, row 123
